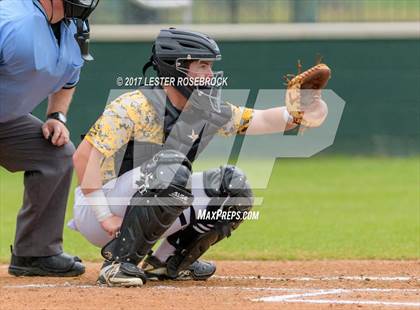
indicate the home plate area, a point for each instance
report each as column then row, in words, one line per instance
column 236, row 285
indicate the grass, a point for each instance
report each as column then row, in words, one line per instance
column 317, row 208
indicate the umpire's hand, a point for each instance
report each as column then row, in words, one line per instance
column 56, row 131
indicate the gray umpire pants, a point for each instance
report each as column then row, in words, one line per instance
column 48, row 171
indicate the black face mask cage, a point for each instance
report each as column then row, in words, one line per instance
column 79, row 11
column 205, row 96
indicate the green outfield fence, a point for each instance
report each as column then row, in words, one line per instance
column 376, row 70
column 254, row 11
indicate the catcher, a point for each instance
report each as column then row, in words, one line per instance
column 135, row 164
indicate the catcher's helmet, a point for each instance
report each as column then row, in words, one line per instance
column 173, row 48
column 80, row 9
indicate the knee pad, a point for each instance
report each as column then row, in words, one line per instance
column 229, row 191
column 168, row 167
column 162, row 196
column 225, row 181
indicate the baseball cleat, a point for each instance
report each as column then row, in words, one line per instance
column 121, row 275
column 154, row 268
column 199, row 270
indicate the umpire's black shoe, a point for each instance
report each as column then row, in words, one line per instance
column 61, row 265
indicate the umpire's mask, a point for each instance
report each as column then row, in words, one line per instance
column 79, row 11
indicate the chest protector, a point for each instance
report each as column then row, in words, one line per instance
column 188, row 131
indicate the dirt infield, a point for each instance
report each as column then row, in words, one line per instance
column 236, row 285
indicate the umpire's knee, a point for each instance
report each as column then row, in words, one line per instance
column 60, row 160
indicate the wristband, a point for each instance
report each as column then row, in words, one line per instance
column 287, row 117
column 99, row 204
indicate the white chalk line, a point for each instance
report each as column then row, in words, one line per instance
column 68, row 285
column 244, row 288
column 351, row 302
column 321, row 278
column 291, row 298
column 297, row 298
column 42, row 285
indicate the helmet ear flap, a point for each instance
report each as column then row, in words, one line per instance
column 152, row 57
column 154, row 62
column 151, row 63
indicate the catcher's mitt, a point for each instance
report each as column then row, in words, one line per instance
column 303, row 95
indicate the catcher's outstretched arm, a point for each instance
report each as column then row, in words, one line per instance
column 268, row 121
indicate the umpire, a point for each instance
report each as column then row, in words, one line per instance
column 42, row 47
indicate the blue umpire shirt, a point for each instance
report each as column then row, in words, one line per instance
column 32, row 63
